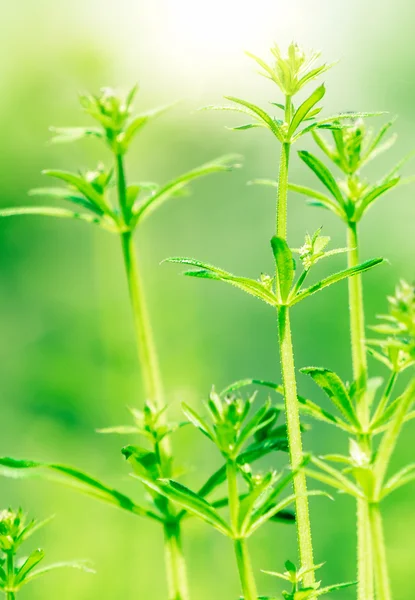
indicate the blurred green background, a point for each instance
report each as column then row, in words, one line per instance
column 67, row 352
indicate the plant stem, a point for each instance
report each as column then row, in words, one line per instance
column 243, row 560
column 246, row 574
column 10, row 574
column 283, row 191
column 383, row 589
column 357, row 325
column 175, row 564
column 305, row 545
column 365, row 589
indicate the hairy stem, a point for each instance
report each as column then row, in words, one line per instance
column 175, row 562
column 305, row 545
column 382, row 583
column 153, row 388
column 243, row 560
column 365, row 589
column 357, row 325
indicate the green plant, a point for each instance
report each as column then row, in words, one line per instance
column 291, row 74
column 16, row 572
column 350, row 198
column 90, row 192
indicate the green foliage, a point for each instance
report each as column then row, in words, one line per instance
column 298, row 590
column 15, row 529
column 354, row 145
column 281, row 290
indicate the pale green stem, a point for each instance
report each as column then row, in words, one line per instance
column 365, row 589
column 175, row 562
column 243, row 560
column 10, row 574
column 175, row 565
column 304, row 538
column 357, row 325
column 305, row 545
column 382, row 583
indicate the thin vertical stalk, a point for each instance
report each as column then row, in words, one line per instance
column 357, row 324
column 10, row 573
column 305, row 545
column 360, row 374
column 246, row 573
column 243, row 560
column 174, row 560
column 383, row 589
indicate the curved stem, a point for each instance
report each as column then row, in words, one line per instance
column 383, row 589
column 305, row 545
column 175, row 564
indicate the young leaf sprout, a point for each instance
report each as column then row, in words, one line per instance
column 17, row 572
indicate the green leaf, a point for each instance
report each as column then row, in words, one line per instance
column 335, row 389
column 285, row 267
column 333, row 588
column 61, row 213
column 30, row 563
column 270, row 182
column 333, row 478
column 197, row 421
column 73, row 134
column 319, row 199
column 323, row 174
column 79, row 183
column 318, row 413
column 148, row 205
column 401, row 478
column 245, row 127
column 261, row 114
column 189, row 500
column 369, row 264
column 66, row 194
column 206, row 271
column 305, row 108
column 75, row 479
column 374, row 193
column 82, row 565
column 139, row 121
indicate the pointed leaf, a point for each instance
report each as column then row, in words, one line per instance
column 323, row 174
column 197, row 421
column 285, row 267
column 369, row 264
column 75, row 479
column 147, row 206
column 304, row 109
column 335, row 389
column 73, row 134
column 261, row 114
column 82, row 565
column 319, row 198
column 61, row 213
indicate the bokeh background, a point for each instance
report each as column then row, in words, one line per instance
column 67, row 352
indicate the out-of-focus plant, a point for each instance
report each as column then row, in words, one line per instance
column 291, row 74
column 91, row 195
column 15, row 571
column 350, row 198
